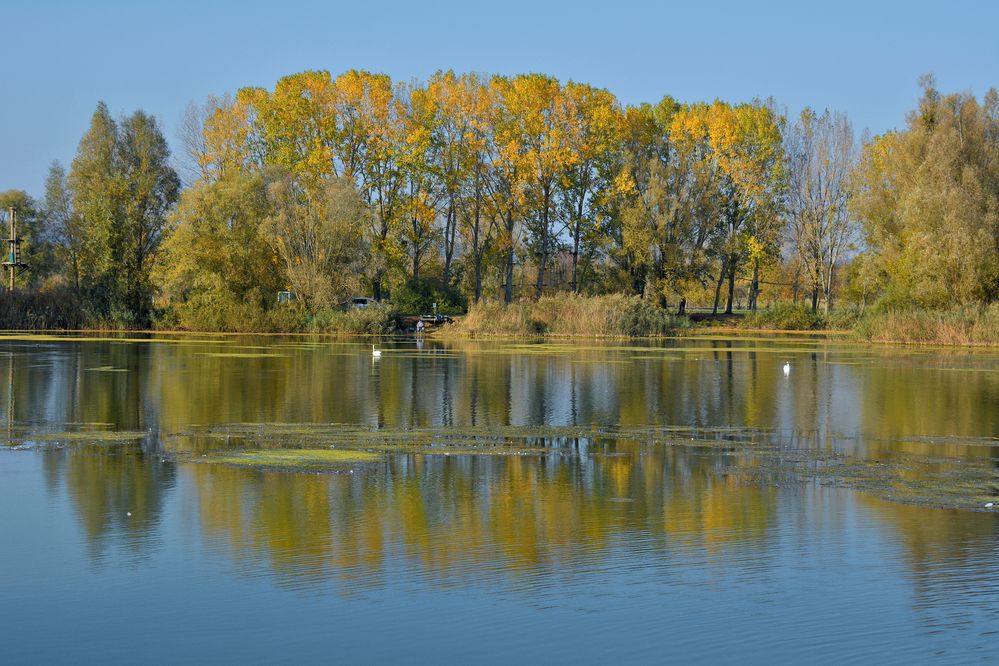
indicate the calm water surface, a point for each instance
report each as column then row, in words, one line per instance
column 665, row 534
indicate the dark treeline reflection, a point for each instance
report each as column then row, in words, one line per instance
column 527, row 520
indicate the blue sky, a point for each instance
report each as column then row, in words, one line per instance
column 60, row 58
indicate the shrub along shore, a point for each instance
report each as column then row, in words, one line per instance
column 617, row 316
column 557, row 316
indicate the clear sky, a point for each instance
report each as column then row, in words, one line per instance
column 59, row 58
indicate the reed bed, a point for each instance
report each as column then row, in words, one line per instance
column 614, row 315
column 965, row 326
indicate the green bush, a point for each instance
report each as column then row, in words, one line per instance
column 375, row 319
column 639, row 318
column 785, row 317
column 217, row 311
column 419, row 298
column 842, row 319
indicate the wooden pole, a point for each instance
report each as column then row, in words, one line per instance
column 13, row 249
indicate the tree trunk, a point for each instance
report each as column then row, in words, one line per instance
column 828, row 282
column 682, row 310
column 543, row 255
column 478, row 277
column 417, row 253
column 508, row 296
column 575, row 243
column 755, row 292
column 540, row 282
column 575, row 262
column 449, row 231
column 476, row 245
column 731, row 287
column 815, row 300
column 718, row 286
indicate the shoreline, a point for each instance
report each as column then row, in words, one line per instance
column 837, row 335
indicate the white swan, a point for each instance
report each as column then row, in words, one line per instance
column 787, row 368
column 375, row 353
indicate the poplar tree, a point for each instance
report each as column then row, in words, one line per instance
column 122, row 188
column 63, row 225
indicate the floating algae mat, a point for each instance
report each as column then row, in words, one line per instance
column 106, row 437
column 241, row 355
column 429, row 441
column 290, row 459
column 756, row 456
column 43, row 337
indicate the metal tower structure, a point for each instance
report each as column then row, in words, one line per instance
column 12, row 261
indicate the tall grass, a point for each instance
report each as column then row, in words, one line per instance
column 785, row 317
column 372, row 320
column 249, row 317
column 613, row 315
column 52, row 309
column 957, row 326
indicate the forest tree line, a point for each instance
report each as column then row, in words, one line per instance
column 469, row 187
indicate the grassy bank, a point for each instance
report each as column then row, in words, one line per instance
column 561, row 315
column 55, row 309
column 61, row 309
column 569, row 315
column 957, row 326
column 250, row 317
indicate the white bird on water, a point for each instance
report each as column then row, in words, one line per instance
column 787, row 368
column 375, row 353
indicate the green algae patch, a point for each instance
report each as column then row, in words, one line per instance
column 494, row 441
column 87, row 437
column 291, row 459
column 241, row 355
column 917, row 481
column 468, row 448
column 42, row 337
column 930, row 474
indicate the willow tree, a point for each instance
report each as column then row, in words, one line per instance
column 928, row 198
column 63, row 224
column 217, row 268
column 320, row 238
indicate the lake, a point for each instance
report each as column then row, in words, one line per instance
column 275, row 499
